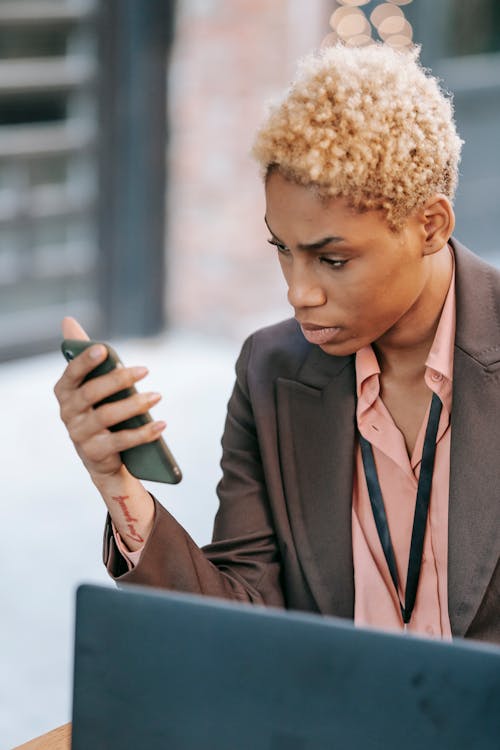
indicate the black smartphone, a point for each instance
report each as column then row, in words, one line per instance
column 150, row 461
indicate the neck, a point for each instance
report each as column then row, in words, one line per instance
column 404, row 349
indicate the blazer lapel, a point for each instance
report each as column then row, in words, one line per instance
column 473, row 538
column 316, row 418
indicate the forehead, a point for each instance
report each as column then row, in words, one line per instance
column 300, row 212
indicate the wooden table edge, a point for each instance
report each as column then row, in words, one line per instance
column 57, row 739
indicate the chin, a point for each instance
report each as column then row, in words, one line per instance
column 341, row 348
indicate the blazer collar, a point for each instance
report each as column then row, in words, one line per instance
column 478, row 306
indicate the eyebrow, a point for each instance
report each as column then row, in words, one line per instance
column 309, row 245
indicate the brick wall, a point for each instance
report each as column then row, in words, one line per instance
column 230, row 58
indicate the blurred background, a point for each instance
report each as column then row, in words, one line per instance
column 129, row 200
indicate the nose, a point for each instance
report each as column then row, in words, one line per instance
column 304, row 290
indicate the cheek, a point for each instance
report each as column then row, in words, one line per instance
column 388, row 286
column 354, row 297
column 370, row 305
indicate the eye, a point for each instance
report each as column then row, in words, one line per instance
column 279, row 247
column 334, row 262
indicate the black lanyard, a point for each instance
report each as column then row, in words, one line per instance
column 421, row 509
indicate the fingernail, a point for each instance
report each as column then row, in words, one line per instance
column 139, row 372
column 97, row 351
column 154, row 396
column 159, row 426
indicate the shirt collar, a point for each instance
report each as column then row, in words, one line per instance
column 366, row 366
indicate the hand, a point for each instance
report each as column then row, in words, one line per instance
column 88, row 428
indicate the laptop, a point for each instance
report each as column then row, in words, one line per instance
column 156, row 670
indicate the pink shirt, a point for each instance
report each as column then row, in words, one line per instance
column 131, row 558
column 376, row 603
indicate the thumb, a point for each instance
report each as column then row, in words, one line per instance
column 71, row 329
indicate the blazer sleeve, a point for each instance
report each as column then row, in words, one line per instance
column 242, row 562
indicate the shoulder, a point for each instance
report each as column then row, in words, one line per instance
column 477, row 286
column 278, row 350
column 472, row 269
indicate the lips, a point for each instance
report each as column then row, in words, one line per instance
column 319, row 334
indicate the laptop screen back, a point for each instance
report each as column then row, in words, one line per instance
column 156, row 670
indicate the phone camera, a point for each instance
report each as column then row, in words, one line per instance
column 68, row 354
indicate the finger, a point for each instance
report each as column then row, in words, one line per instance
column 140, row 403
column 95, row 390
column 103, row 445
column 77, row 369
column 71, row 329
column 124, row 439
column 84, row 425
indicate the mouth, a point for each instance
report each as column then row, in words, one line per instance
column 317, row 334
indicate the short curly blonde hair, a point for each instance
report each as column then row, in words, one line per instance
column 367, row 124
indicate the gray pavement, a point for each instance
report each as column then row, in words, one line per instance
column 52, row 516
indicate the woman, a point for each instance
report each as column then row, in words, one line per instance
column 359, row 456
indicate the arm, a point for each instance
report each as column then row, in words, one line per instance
column 243, row 561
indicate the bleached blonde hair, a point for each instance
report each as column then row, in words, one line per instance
column 367, row 124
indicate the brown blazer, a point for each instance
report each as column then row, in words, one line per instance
column 282, row 534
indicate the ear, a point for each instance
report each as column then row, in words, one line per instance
column 438, row 222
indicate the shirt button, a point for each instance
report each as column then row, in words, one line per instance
column 436, row 376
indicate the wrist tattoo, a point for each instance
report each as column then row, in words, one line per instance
column 132, row 531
